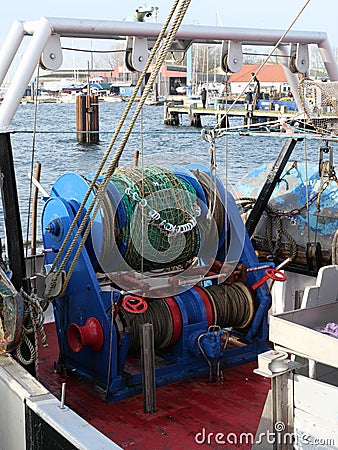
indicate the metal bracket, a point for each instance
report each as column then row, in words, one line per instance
column 326, row 167
column 136, row 53
column 274, row 363
column 270, row 184
column 231, row 56
column 299, row 58
column 51, row 58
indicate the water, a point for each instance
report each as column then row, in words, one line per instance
column 57, row 150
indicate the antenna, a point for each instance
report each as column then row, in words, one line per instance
column 218, row 19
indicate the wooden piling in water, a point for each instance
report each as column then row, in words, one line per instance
column 87, row 119
column 194, row 119
column 170, row 118
column 221, row 117
column 136, row 157
column 250, row 118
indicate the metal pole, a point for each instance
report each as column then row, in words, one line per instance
column 292, row 78
column 270, row 184
column 10, row 48
column 148, row 368
column 12, row 213
column 24, row 73
column 34, row 209
column 328, row 59
column 280, row 415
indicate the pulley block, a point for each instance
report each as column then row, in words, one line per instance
column 231, row 56
column 136, row 53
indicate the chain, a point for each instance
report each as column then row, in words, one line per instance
column 155, row 215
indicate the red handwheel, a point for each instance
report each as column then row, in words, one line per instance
column 134, row 304
column 275, row 274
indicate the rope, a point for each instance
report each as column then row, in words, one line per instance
column 114, row 163
column 280, row 230
column 216, row 210
column 276, row 215
column 87, row 50
column 142, row 190
column 33, row 323
column 31, row 350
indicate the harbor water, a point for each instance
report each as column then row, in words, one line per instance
column 56, row 148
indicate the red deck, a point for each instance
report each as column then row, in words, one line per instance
column 190, row 415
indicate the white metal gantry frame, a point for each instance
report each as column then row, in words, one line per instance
column 43, row 30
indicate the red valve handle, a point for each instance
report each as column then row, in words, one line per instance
column 134, row 304
column 273, row 274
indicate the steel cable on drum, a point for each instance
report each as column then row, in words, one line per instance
column 234, row 304
column 158, row 314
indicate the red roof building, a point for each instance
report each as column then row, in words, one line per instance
column 271, row 77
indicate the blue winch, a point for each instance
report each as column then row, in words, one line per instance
column 166, row 247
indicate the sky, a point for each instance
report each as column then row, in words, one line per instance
column 319, row 15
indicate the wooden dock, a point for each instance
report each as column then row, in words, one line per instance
column 251, row 116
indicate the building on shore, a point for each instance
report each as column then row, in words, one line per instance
column 172, row 80
column 271, row 77
column 119, row 78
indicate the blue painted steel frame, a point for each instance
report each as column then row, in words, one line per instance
column 84, row 298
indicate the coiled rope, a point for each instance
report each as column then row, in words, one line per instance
column 280, row 230
column 33, row 323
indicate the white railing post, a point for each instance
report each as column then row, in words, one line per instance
column 328, row 59
column 24, row 72
column 10, row 48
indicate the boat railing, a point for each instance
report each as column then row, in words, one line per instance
column 45, row 46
